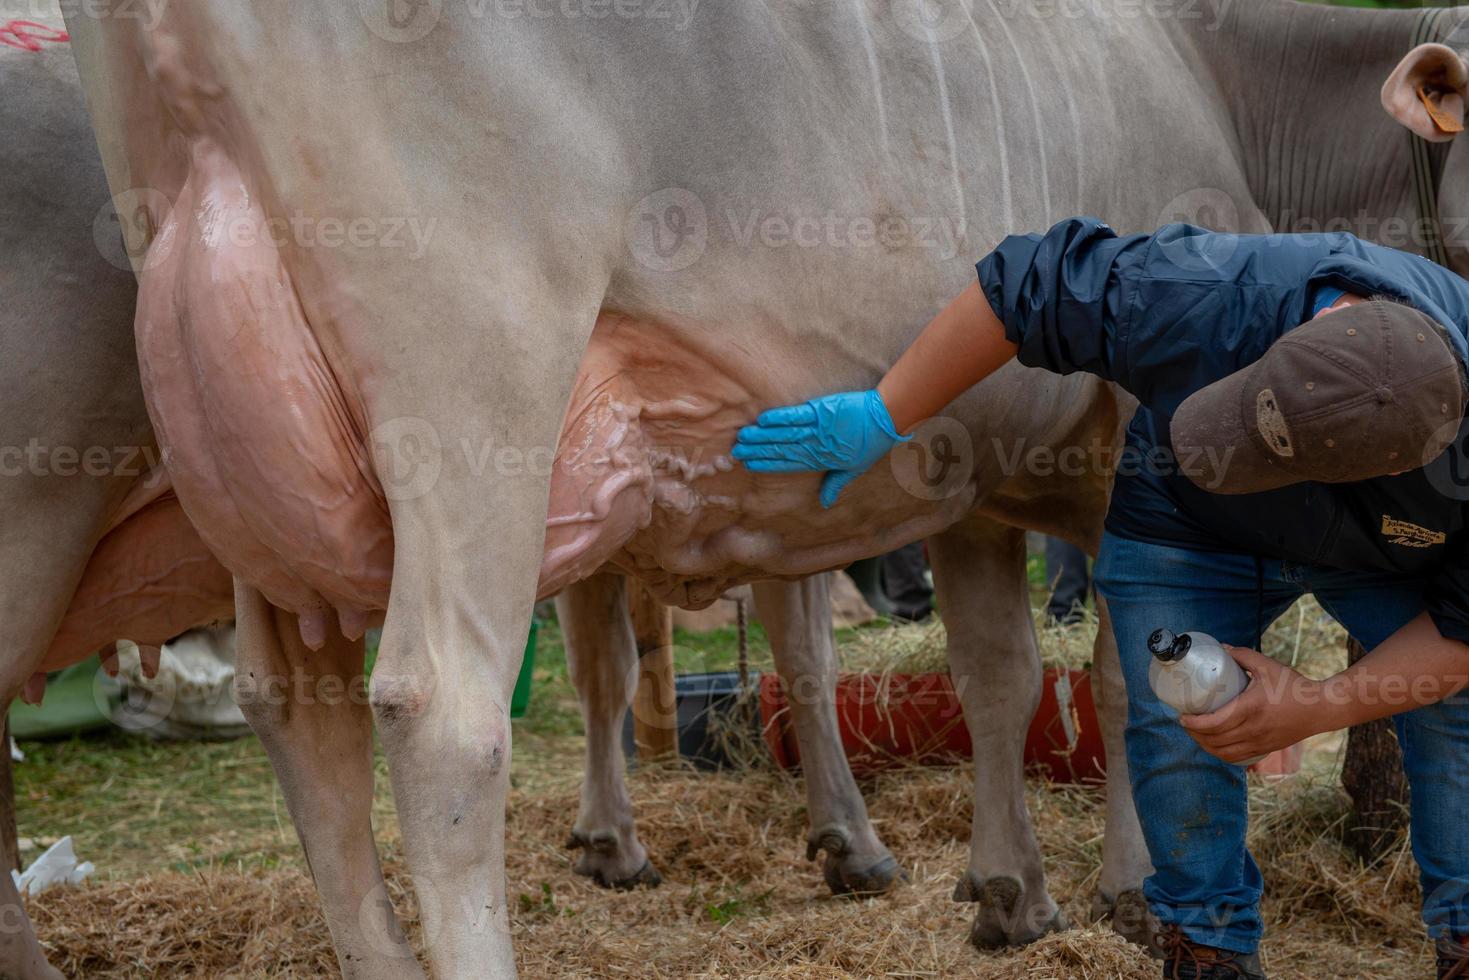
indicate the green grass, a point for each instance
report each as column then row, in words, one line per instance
column 134, row 806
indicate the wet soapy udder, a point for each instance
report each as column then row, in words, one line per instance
column 645, row 445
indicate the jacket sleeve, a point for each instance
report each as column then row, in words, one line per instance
column 1163, row 315
column 1061, row 295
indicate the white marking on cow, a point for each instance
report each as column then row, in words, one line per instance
column 943, row 87
column 1007, row 201
column 1035, row 110
column 870, row 49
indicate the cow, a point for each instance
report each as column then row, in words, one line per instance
column 637, row 233
column 117, row 597
column 94, row 543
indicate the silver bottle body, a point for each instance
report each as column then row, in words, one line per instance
column 1205, row 679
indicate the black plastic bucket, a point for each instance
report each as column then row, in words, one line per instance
column 706, row 710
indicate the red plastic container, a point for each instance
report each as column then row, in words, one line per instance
column 907, row 719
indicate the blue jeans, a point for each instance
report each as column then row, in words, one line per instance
column 1192, row 805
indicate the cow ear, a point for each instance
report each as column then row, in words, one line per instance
column 1426, row 92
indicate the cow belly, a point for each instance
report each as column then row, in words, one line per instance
column 265, row 441
column 149, row 579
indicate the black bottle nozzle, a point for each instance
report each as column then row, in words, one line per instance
column 1168, row 647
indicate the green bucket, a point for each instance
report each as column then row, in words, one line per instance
column 520, row 699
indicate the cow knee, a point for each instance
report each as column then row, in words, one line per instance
column 399, row 703
column 438, row 728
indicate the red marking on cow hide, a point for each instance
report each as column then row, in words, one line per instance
column 28, row 35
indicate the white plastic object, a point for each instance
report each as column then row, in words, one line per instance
column 57, row 866
column 1194, row 675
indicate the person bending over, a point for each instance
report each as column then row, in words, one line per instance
column 1302, row 412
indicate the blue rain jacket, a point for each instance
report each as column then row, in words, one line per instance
column 1166, row 314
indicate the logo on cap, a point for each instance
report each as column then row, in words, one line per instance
column 1271, row 422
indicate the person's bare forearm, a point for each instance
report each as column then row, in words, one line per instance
column 1416, row 666
column 962, row 346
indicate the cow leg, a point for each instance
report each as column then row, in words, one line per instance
column 21, row 957
column 51, row 545
column 310, row 710
column 797, row 618
column 602, row 657
column 468, row 548
column 1125, row 860
column 979, row 570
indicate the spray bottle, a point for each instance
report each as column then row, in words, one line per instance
column 1193, row 674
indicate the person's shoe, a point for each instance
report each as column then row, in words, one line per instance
column 1184, row 959
column 1453, row 959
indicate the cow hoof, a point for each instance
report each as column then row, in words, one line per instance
column 605, row 860
column 1002, row 919
column 647, row 877
column 875, row 880
column 850, row 873
column 1132, row 919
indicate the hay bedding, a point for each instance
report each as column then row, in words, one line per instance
column 740, row 901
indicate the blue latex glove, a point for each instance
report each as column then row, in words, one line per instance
column 841, row 434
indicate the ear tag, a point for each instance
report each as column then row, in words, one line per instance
column 1441, row 117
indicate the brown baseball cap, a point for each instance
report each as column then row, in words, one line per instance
column 1357, row 393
